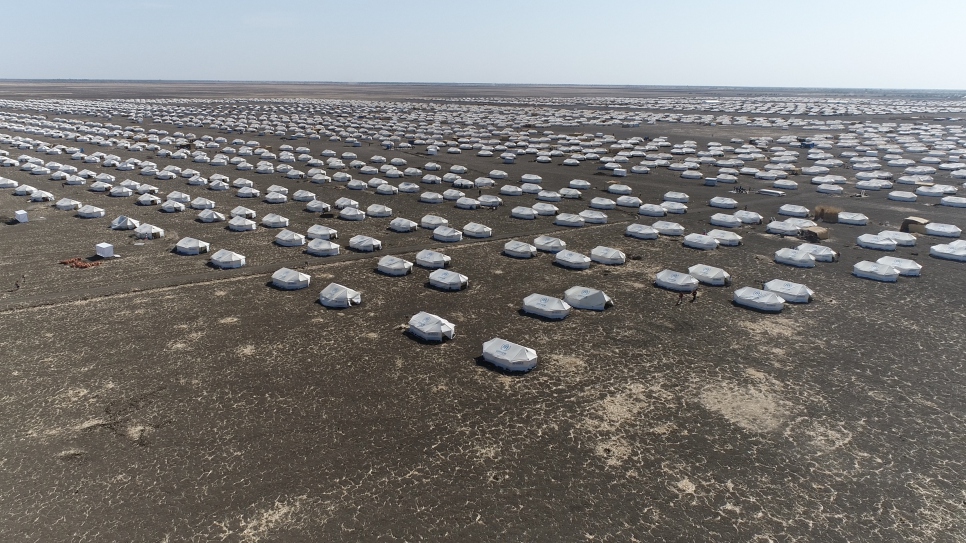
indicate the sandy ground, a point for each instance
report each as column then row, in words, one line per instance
column 154, row 398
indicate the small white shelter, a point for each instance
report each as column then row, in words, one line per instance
column 338, row 296
column 289, row 279
column 547, row 307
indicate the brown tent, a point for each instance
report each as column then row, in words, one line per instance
column 914, row 225
column 813, row 234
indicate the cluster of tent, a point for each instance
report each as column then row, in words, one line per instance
column 876, row 156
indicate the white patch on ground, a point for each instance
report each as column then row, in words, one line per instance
column 757, row 406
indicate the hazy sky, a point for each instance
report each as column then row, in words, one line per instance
column 813, row 43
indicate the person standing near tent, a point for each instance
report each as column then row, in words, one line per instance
column 680, row 298
column 694, row 295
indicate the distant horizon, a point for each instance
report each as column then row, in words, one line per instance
column 470, row 84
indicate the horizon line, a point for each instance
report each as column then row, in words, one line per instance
column 437, row 83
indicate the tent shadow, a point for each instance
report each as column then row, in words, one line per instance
column 431, row 286
column 420, row 340
column 562, row 267
column 755, row 309
column 482, row 362
column 377, row 271
column 523, row 313
column 320, row 304
column 514, row 257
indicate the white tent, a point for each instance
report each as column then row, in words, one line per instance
column 790, row 292
column 432, row 259
column 289, row 279
column 641, row 231
column 318, row 206
column 722, row 202
column 364, row 244
column 950, row 251
column 569, row 219
column 447, row 234
column 546, row 306
column 902, row 239
column 90, row 212
column 225, row 259
column 66, row 204
column 104, row 250
column 519, row 249
column 41, row 196
column 748, row 217
column 523, row 212
column 710, row 275
column 148, row 200
column 429, row 327
column 943, row 230
column 676, row 281
column 676, row 197
column 448, row 280
column 377, row 210
column 629, row 201
column 352, row 214
column 593, row 217
column 400, row 224
column 793, row 210
column 477, row 230
column 587, row 298
column 794, row 257
column 725, row 237
column 549, row 244
column 855, row 219
column 318, row 231
column 431, row 198
column 124, row 223
column 345, row 202
column 170, row 206
column 288, row 238
column 607, row 255
column 906, row 267
column 652, row 210
column 572, row 260
column 876, row 272
column 667, row 228
column 700, row 241
column 431, row 222
column 724, row 220
column 322, row 247
column 202, row 203
column 872, row 241
column 274, row 220
column 509, row 356
column 602, row 203
column 761, row 300
column 240, row 211
column 148, row 231
column 821, row 253
column 210, row 215
column 191, row 246
column 241, row 224
column 392, row 265
column 336, row 295
column 783, row 228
